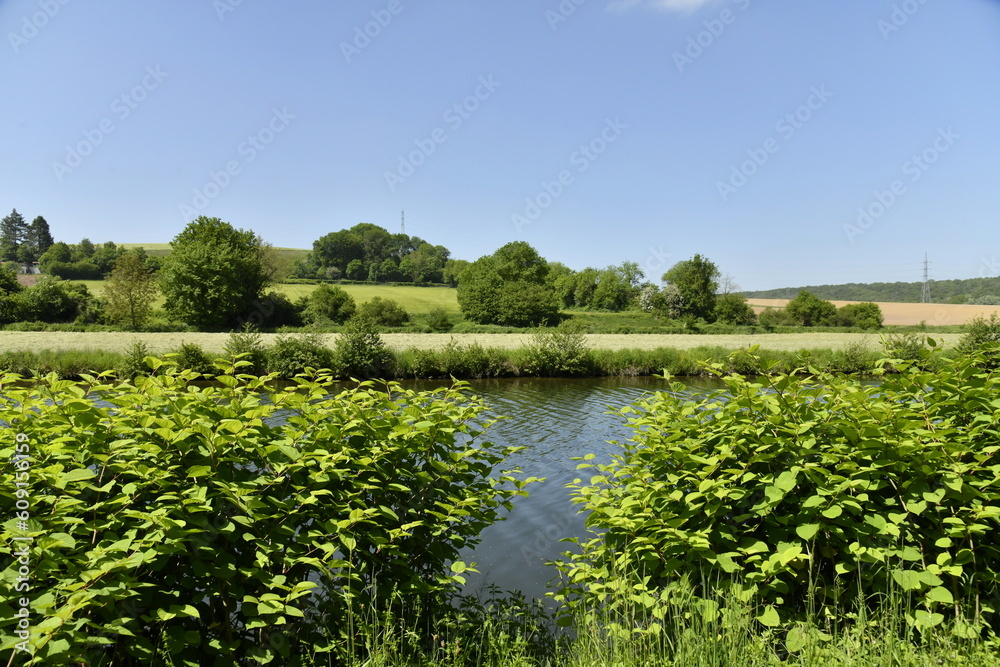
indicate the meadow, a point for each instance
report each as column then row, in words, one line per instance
column 415, row 299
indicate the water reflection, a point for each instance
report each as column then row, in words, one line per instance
column 555, row 420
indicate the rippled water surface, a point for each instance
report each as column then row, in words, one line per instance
column 555, row 420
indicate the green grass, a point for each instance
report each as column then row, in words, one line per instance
column 415, row 300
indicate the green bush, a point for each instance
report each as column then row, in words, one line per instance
column 292, row 355
column 360, row 352
column 133, row 361
column 383, row 312
column 983, row 336
column 864, row 315
column 229, row 526
column 562, row 352
column 328, row 303
column 248, row 345
column 806, row 496
column 809, row 310
column 190, row 357
column 439, row 321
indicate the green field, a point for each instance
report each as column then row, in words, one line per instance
column 415, row 300
column 288, row 255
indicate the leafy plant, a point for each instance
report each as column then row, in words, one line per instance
column 438, row 320
column 361, row 352
column 384, row 312
column 801, row 495
column 292, row 355
column 557, row 353
column 176, row 524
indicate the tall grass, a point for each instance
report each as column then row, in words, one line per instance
column 675, row 631
column 473, row 361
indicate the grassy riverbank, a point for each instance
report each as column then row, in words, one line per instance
column 427, row 356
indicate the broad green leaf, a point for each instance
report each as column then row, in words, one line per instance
column 769, row 617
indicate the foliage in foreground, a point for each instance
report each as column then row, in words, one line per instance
column 807, row 496
column 183, row 525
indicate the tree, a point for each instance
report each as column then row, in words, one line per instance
column 38, row 237
column 508, row 288
column 864, row 315
column 809, row 310
column 697, row 281
column 356, row 270
column 452, row 271
column 329, row 303
column 86, row 248
column 130, row 290
column 732, row 308
column 13, row 233
column 58, row 252
column 215, row 274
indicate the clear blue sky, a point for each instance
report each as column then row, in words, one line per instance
column 670, row 96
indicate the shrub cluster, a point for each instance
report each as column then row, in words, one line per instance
column 807, row 496
column 174, row 524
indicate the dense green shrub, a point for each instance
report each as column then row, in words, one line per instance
column 809, row 310
column 439, row 321
column 328, row 303
column 83, row 270
column 52, row 300
column 133, row 361
column 508, row 288
column 733, row 308
column 865, row 315
column 191, row 357
column 806, row 496
column 175, row 524
column 360, row 352
column 983, row 335
column 384, row 312
column 274, row 310
column 247, row 344
column 292, row 355
column 561, row 352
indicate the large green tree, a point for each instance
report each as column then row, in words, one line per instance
column 130, row 290
column 508, row 288
column 38, row 238
column 697, row 281
column 215, row 274
column 13, row 233
column 809, row 310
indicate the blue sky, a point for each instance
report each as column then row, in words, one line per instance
column 790, row 142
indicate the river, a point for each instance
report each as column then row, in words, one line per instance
column 554, row 420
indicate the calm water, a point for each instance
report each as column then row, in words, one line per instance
column 555, row 420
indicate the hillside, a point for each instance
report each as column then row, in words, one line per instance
column 942, row 291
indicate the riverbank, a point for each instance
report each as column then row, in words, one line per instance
column 470, row 356
column 63, row 341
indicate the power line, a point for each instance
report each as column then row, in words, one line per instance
column 925, row 292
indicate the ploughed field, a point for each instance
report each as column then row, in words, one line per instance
column 933, row 314
column 214, row 342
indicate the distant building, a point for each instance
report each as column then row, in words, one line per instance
column 30, row 268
